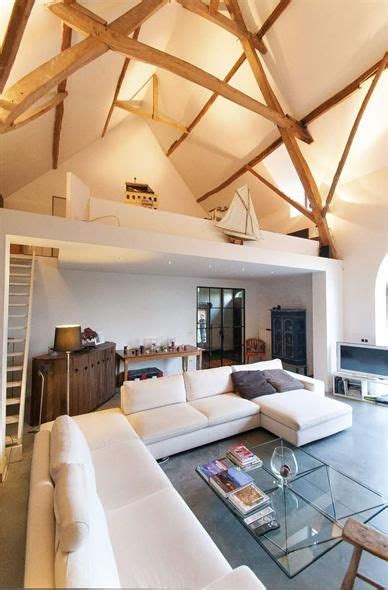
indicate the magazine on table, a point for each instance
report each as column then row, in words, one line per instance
column 248, row 498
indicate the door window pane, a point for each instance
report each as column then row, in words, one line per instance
column 215, row 297
column 215, row 317
column 203, row 295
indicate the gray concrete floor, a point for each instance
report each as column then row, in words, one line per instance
column 361, row 452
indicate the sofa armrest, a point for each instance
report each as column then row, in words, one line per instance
column 313, row 385
column 241, row 577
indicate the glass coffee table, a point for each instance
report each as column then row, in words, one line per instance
column 311, row 510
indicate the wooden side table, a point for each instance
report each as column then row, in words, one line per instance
column 184, row 352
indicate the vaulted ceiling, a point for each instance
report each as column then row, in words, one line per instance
column 313, row 50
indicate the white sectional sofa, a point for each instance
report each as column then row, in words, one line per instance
column 179, row 412
column 102, row 514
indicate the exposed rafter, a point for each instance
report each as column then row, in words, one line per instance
column 51, row 103
column 60, row 109
column 17, row 23
column 352, row 134
column 296, row 156
column 317, row 112
column 226, row 23
column 22, row 95
column 118, row 86
column 267, row 24
column 213, row 6
column 141, row 52
column 275, row 189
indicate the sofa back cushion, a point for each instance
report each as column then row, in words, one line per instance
column 137, row 396
column 71, row 507
column 260, row 366
column 208, row 382
column 68, row 445
column 92, row 564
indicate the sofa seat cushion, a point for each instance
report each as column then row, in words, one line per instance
column 242, row 577
column 159, row 543
column 224, row 408
column 161, row 423
column 208, row 382
column 301, row 409
column 126, row 474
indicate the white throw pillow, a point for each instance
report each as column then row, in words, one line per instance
column 93, row 564
column 68, row 445
column 71, row 505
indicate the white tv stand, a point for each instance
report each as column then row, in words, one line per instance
column 356, row 386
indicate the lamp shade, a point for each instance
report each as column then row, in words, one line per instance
column 67, row 338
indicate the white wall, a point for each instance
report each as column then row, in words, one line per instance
column 127, row 308
column 129, row 150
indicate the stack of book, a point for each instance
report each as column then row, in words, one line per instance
column 240, row 455
column 249, row 498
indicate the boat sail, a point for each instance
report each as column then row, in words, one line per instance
column 240, row 221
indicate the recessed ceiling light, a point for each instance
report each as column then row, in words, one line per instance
column 169, row 262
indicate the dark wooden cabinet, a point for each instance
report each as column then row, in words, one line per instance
column 92, row 382
column 289, row 336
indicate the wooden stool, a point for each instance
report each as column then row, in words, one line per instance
column 367, row 539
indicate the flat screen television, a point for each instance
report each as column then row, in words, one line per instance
column 363, row 359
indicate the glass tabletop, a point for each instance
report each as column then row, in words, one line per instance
column 311, row 510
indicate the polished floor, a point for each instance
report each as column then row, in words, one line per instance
column 361, row 452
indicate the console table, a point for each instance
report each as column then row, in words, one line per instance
column 92, row 381
column 184, row 352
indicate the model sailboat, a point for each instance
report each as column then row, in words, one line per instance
column 240, row 222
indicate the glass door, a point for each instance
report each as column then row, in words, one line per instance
column 221, row 325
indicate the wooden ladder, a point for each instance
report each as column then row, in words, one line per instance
column 21, row 279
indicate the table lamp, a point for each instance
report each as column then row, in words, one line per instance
column 67, row 339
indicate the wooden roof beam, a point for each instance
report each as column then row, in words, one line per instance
column 118, row 86
column 19, row 97
column 288, row 200
column 29, row 116
column 60, row 109
column 197, row 7
column 352, row 134
column 320, row 110
column 17, row 23
column 213, row 6
column 267, row 24
column 141, row 52
column 296, row 156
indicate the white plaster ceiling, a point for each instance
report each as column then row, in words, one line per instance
column 314, row 49
column 135, row 261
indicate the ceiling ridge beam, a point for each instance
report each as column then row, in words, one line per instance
column 352, row 134
column 227, row 78
column 37, row 83
column 140, row 51
column 285, row 197
column 13, row 36
column 118, row 86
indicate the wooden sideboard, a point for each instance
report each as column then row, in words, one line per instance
column 92, row 382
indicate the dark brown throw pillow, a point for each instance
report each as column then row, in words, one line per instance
column 251, row 384
column 281, row 380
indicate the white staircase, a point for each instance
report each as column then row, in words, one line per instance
column 21, row 278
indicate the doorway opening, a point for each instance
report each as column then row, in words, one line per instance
column 221, row 325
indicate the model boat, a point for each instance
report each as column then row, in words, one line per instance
column 240, row 222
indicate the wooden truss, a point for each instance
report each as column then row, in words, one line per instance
column 16, row 101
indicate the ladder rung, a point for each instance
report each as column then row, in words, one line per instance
column 14, row 369
column 12, row 419
column 19, row 284
column 12, row 401
column 12, row 384
column 13, row 265
column 13, row 354
column 21, row 256
column 16, row 327
column 15, row 340
column 14, row 315
column 18, row 294
column 19, row 274
column 17, row 304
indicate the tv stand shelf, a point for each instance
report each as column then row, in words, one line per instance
column 358, row 387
